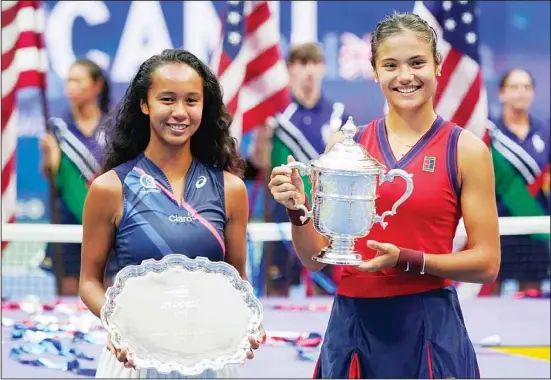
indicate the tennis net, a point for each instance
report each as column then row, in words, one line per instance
column 24, row 256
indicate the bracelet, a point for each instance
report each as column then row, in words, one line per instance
column 294, row 215
column 409, row 260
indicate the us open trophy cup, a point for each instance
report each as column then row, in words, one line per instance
column 344, row 188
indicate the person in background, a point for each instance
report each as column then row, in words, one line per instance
column 71, row 155
column 302, row 130
column 520, row 149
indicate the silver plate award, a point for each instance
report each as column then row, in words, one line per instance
column 180, row 314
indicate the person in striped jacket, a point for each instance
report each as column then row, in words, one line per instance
column 520, row 152
column 301, row 130
column 71, row 155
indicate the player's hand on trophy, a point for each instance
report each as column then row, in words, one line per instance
column 255, row 342
column 386, row 257
column 51, row 155
column 286, row 185
column 120, row 354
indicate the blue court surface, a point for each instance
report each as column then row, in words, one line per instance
column 523, row 326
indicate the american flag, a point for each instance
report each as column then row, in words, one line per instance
column 252, row 73
column 23, row 65
column 461, row 96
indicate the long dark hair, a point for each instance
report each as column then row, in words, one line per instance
column 97, row 74
column 127, row 129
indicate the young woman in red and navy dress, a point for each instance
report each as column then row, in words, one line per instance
column 397, row 314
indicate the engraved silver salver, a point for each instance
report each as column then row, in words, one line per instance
column 180, row 314
column 344, row 188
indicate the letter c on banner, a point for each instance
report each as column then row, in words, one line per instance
column 59, row 32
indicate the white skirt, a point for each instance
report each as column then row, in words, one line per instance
column 110, row 367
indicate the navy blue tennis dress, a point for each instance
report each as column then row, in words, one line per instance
column 155, row 224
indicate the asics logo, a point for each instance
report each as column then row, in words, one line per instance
column 201, row 182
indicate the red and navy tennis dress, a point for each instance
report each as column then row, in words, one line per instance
column 395, row 324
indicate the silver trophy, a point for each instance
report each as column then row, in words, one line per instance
column 344, row 183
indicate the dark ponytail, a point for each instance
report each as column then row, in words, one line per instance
column 105, row 96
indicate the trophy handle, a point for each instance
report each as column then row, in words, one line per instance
column 409, row 189
column 303, row 170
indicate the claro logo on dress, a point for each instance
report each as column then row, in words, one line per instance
column 175, row 218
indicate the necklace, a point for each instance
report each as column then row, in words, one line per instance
column 408, row 145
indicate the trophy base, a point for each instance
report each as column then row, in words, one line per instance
column 334, row 258
column 339, row 252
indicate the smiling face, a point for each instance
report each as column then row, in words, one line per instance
column 174, row 103
column 406, row 69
